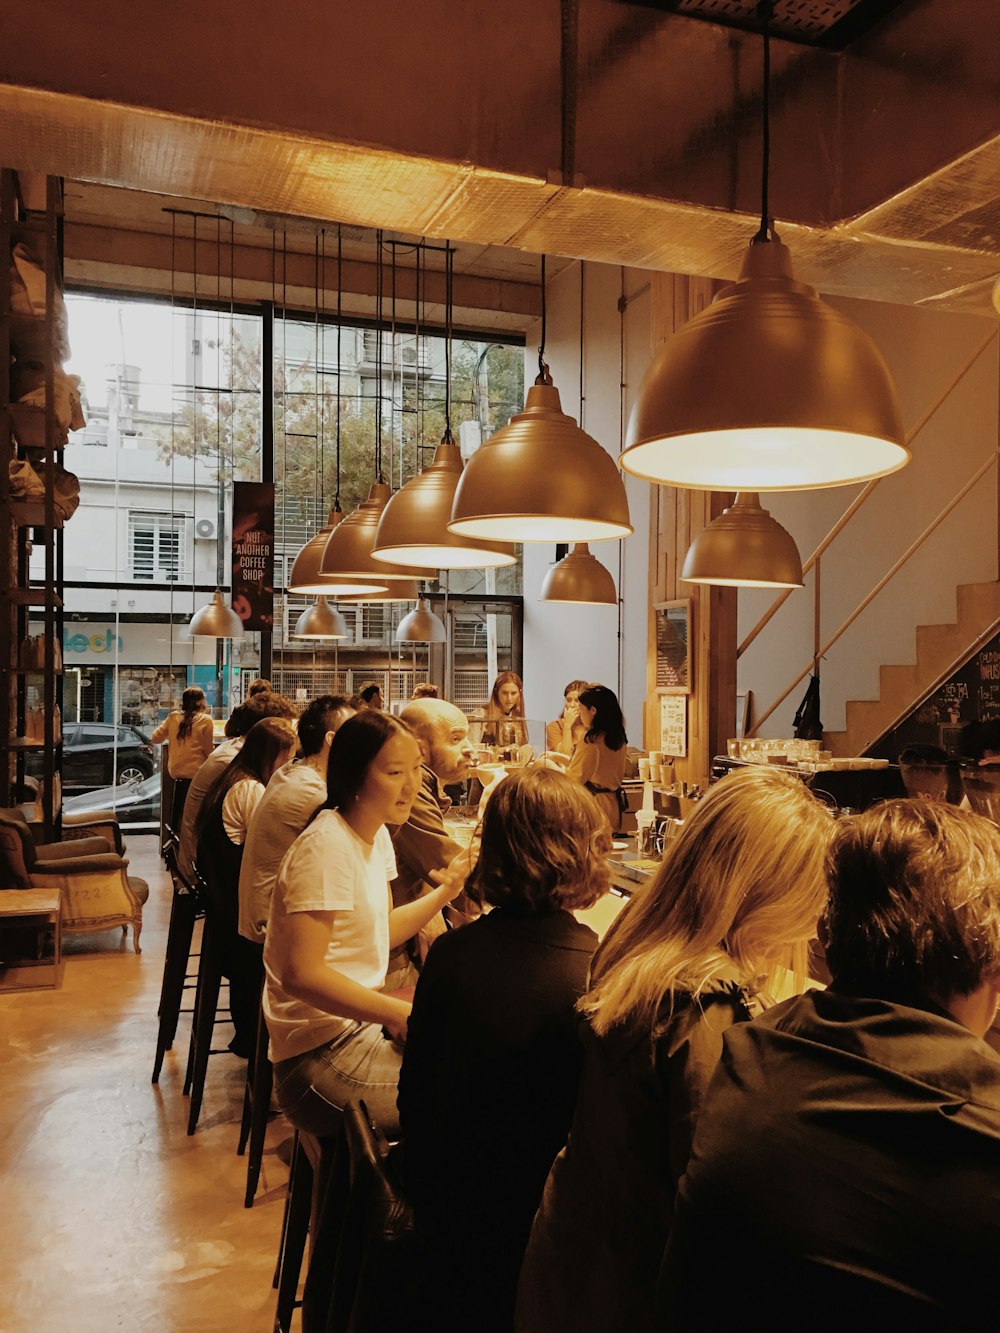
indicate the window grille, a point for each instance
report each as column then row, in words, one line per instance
column 157, row 546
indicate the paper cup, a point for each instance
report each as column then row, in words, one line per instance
column 644, row 769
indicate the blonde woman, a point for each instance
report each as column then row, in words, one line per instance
column 739, row 896
column 504, row 722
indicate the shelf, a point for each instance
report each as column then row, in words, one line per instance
column 33, row 671
column 31, row 514
column 33, row 597
column 28, row 425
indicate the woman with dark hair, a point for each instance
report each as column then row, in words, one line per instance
column 335, row 1035
column 504, row 714
column 493, row 1058
column 188, row 735
column 599, row 759
column 221, row 830
column 564, row 734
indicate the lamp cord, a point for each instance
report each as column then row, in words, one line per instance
column 765, row 12
column 543, row 376
column 378, row 360
column 340, row 330
column 449, row 261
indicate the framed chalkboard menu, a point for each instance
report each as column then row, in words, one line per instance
column 673, row 646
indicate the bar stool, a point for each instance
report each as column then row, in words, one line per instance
column 256, row 1109
column 318, row 1184
column 185, row 910
column 206, row 1015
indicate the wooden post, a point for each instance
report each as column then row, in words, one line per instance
column 676, row 517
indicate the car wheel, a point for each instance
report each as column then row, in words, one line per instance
column 131, row 776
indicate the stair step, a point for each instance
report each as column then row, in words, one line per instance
column 980, row 602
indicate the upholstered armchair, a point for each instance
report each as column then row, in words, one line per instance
column 96, row 892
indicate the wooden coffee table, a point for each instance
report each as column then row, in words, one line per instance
column 30, row 939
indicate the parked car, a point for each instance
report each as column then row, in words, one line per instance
column 100, row 754
column 132, row 803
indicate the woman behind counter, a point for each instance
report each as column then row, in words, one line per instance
column 564, row 734
column 188, row 734
column 739, row 896
column 599, row 759
column 493, row 1058
column 504, row 715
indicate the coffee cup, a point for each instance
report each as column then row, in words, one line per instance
column 644, row 769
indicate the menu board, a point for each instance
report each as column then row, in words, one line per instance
column 673, row 647
column 971, row 694
column 673, row 725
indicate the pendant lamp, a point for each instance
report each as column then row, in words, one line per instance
column 320, row 621
column 744, row 548
column 348, row 554
column 579, row 577
column 769, row 388
column 541, row 478
column 217, row 620
column 413, row 529
column 306, row 575
column 421, row 625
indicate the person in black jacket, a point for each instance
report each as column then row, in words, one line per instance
column 492, row 1057
column 847, row 1159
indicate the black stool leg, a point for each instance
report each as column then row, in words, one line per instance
column 209, row 982
column 256, row 1109
column 183, row 911
column 295, row 1229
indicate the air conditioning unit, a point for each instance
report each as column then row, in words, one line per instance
column 408, row 355
column 205, row 529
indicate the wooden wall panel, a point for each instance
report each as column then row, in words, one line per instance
column 677, row 516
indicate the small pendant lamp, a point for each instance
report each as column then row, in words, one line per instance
column 413, row 529
column 769, row 388
column 541, row 478
column 744, row 548
column 306, row 575
column 320, row 621
column 217, row 620
column 579, row 577
column 421, row 625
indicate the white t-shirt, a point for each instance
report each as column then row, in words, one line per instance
column 328, row 868
column 238, row 805
column 294, row 793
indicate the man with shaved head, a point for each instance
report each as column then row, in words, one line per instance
column 422, row 844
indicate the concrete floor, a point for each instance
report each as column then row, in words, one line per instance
column 110, row 1216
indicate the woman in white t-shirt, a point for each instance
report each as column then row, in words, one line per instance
column 221, row 830
column 335, row 1035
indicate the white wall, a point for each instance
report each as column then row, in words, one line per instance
column 925, row 351
column 592, row 642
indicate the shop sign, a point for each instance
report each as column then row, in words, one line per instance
column 253, row 553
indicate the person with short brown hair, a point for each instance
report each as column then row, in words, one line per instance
column 850, row 1140
column 492, row 1061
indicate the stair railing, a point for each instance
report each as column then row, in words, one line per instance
column 814, row 560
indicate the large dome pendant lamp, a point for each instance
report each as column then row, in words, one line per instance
column 216, row 620
column 413, row 529
column 541, row 478
column 348, row 555
column 744, row 548
column 320, row 621
column 769, row 388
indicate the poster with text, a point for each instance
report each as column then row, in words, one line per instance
column 253, row 553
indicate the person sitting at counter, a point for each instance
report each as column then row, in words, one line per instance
column 189, row 737
column 335, row 1036
column 422, row 844
column 492, row 1058
column 599, row 758
column 221, row 831
column 504, row 716
column 689, row 957
column 564, row 734
column 850, row 1141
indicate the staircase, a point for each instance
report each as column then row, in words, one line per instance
column 941, row 649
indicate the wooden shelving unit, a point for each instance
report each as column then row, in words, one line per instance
column 30, row 526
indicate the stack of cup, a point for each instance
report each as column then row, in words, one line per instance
column 644, row 768
column 656, row 767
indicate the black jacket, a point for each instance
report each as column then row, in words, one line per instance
column 846, row 1166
